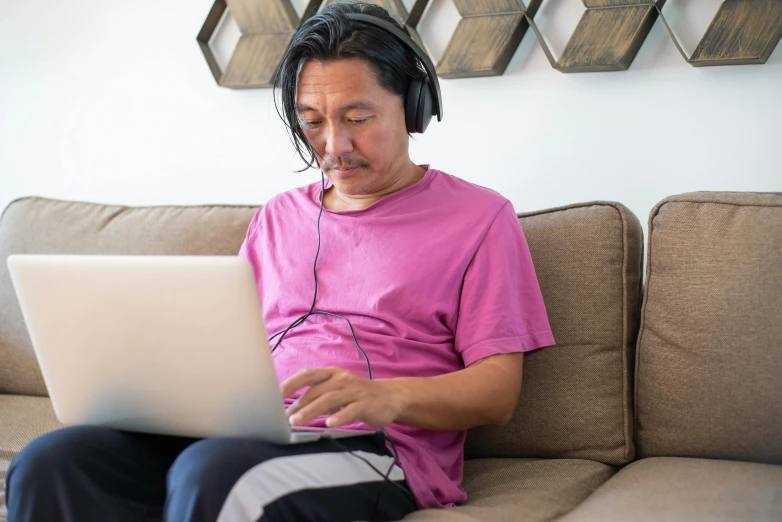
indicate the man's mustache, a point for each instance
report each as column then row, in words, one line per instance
column 349, row 163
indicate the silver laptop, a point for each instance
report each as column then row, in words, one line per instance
column 159, row 344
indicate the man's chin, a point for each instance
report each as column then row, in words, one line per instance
column 349, row 187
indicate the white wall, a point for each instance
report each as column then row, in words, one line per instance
column 112, row 101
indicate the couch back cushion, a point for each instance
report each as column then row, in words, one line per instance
column 709, row 374
column 576, row 397
column 45, row 226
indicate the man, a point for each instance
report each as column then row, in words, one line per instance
column 424, row 302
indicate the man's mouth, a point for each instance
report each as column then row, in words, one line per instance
column 344, row 171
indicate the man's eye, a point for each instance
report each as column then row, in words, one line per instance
column 358, row 121
column 310, row 124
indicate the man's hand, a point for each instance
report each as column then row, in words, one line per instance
column 484, row 393
column 342, row 395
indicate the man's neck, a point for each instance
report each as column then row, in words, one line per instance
column 337, row 201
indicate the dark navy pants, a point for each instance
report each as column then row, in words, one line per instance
column 85, row 474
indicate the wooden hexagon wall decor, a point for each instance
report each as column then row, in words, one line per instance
column 485, row 38
column 398, row 11
column 395, row 8
column 742, row 32
column 607, row 37
column 267, row 27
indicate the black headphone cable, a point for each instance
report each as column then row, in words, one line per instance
column 312, row 311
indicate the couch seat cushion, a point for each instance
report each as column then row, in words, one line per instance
column 22, row 419
column 532, row 490
column 684, row 489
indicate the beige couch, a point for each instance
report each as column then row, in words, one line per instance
column 667, row 411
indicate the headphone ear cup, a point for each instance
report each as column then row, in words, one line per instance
column 412, row 103
column 425, row 106
column 419, row 105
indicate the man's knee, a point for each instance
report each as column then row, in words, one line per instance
column 200, row 466
column 45, row 458
column 48, row 452
column 204, row 474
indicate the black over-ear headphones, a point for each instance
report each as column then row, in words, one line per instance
column 423, row 98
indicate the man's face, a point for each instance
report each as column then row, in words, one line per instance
column 354, row 124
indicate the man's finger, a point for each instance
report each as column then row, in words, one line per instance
column 312, row 394
column 346, row 415
column 323, row 405
column 308, row 377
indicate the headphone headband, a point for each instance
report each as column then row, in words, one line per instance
column 420, row 53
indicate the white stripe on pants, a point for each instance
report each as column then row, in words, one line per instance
column 271, row 480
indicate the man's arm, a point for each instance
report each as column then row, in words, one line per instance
column 485, row 392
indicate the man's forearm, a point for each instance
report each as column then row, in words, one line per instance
column 484, row 393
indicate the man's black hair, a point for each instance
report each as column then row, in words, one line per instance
column 330, row 35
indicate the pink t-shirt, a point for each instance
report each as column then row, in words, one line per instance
column 433, row 278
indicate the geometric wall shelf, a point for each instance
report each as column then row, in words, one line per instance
column 742, row 32
column 267, row 27
column 607, row 37
column 398, row 12
column 395, row 8
column 207, row 30
column 486, row 38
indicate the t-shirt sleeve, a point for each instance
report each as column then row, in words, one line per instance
column 501, row 308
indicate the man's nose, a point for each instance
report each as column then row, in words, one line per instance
column 338, row 140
